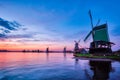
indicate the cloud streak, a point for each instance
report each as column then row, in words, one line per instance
column 7, row 26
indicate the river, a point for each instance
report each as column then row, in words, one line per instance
column 55, row 66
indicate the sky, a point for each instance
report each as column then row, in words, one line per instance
column 38, row 24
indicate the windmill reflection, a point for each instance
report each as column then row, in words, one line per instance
column 101, row 69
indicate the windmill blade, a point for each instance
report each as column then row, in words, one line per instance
column 75, row 41
column 98, row 22
column 87, row 36
column 79, row 41
column 91, row 18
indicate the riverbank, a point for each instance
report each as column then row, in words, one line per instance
column 97, row 57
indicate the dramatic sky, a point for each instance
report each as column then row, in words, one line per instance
column 37, row 24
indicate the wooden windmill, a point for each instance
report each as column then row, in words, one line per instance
column 78, row 48
column 101, row 42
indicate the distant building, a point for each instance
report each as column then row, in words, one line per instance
column 64, row 50
column 47, row 50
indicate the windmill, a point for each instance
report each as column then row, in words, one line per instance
column 78, row 48
column 101, row 42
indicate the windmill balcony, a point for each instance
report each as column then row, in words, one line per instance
column 100, row 47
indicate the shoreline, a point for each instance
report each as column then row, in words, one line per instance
column 97, row 58
column 94, row 59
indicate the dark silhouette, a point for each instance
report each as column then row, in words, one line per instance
column 64, row 50
column 47, row 50
column 76, row 48
column 101, row 69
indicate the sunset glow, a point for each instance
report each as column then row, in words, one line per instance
column 38, row 24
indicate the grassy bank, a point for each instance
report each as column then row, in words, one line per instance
column 115, row 57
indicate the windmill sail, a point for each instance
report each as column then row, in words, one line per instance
column 91, row 22
column 87, row 36
column 91, row 18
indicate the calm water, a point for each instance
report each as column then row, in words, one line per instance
column 54, row 66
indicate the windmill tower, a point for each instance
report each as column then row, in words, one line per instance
column 76, row 48
column 47, row 50
column 64, row 50
column 101, row 42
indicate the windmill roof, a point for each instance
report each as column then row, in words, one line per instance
column 100, row 27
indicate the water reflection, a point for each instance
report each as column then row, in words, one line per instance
column 101, row 69
column 54, row 66
column 76, row 61
column 47, row 56
column 64, row 54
